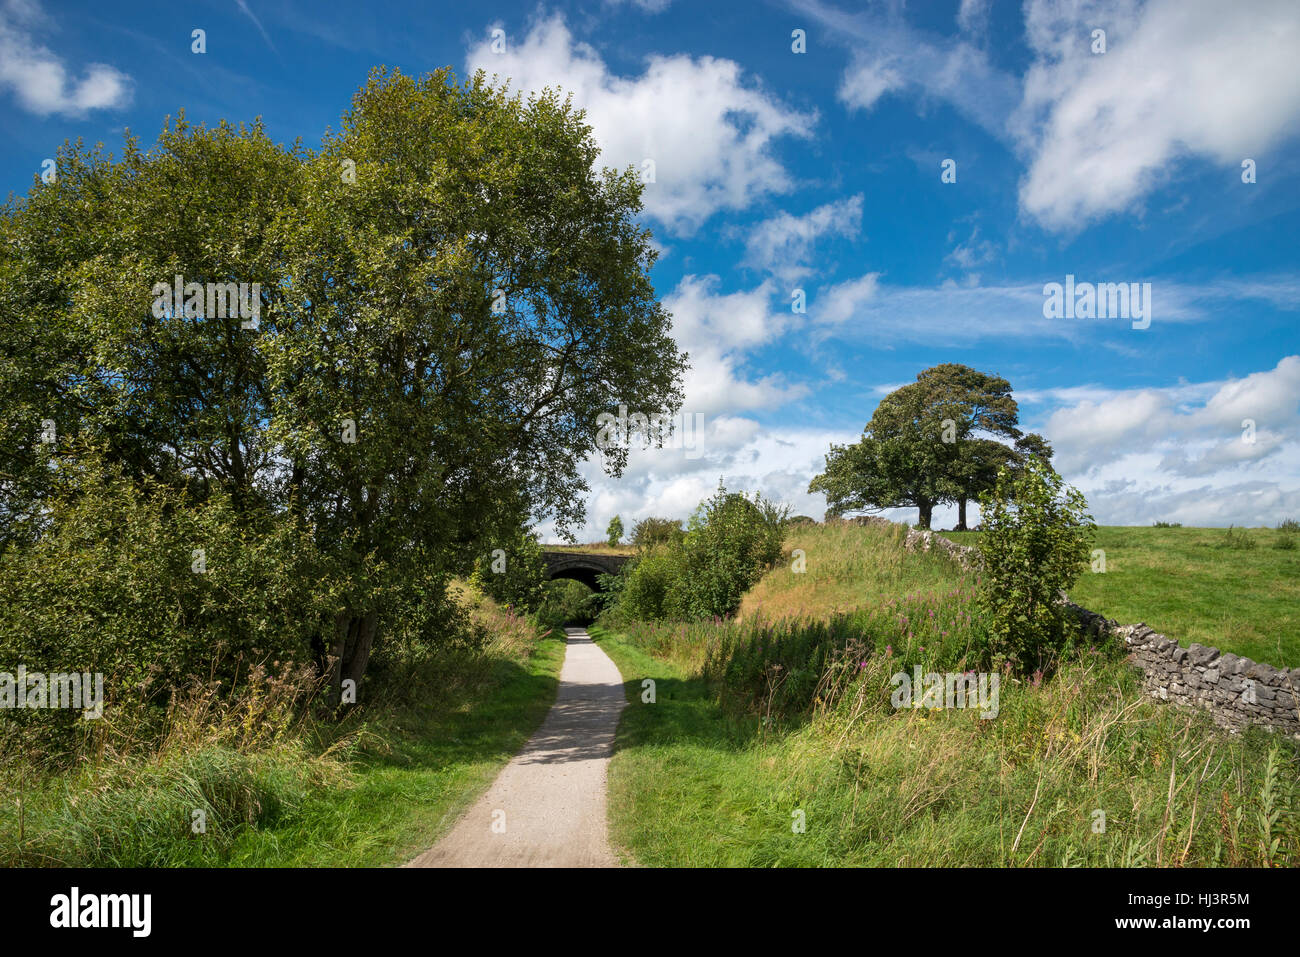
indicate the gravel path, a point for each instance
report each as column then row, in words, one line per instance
column 547, row 807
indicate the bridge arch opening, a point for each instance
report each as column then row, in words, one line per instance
column 570, row 602
column 586, row 567
column 588, row 576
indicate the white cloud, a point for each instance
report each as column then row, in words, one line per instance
column 746, row 457
column 784, row 244
column 1184, row 453
column 717, row 330
column 972, row 16
column 1179, row 78
column 646, row 6
column 243, row 8
column 709, row 131
column 867, row 81
column 37, row 76
column 844, row 300
column 1140, row 455
column 973, row 252
column 890, row 56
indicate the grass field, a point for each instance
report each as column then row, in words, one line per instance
column 846, row 567
column 1234, row 590
column 375, row 791
column 694, row 784
column 706, row 777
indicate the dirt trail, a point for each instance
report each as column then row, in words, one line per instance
column 547, row 806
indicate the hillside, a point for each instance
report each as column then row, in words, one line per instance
column 1236, row 590
column 747, row 757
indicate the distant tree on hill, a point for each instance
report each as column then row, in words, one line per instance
column 931, row 441
column 614, row 533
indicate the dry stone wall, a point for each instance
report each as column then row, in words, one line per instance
column 1236, row 691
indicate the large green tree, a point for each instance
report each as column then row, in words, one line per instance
column 966, row 402
column 938, row 439
column 899, row 462
column 451, row 292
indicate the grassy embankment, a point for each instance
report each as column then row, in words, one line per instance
column 593, row 548
column 1236, row 590
column 716, row 769
column 282, row 791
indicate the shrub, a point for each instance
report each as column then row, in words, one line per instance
column 731, row 542
column 150, row 587
column 515, row 575
column 654, row 587
column 1289, row 525
column 657, row 531
column 1035, row 544
column 1236, row 538
column 1166, row 524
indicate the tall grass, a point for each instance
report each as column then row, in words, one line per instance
column 193, row 786
column 178, row 794
column 780, row 713
column 846, row 567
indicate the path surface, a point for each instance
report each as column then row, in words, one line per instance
column 552, row 792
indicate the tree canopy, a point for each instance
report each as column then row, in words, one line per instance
column 931, row 441
column 448, row 293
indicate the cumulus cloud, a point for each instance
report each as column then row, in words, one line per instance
column 1179, row 78
column 744, row 456
column 784, row 244
column 718, row 330
column 1241, row 422
column 1184, row 453
column 38, row 78
column 1141, row 455
column 709, row 131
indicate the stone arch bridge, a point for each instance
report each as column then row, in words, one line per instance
column 582, row 566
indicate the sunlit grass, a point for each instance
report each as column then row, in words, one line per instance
column 1081, row 769
column 1199, row 585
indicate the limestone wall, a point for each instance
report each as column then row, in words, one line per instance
column 1236, row 691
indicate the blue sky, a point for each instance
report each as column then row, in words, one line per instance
column 776, row 170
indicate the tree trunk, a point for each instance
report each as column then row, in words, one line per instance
column 924, row 508
column 342, row 627
column 354, row 666
column 961, row 514
column 354, row 637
